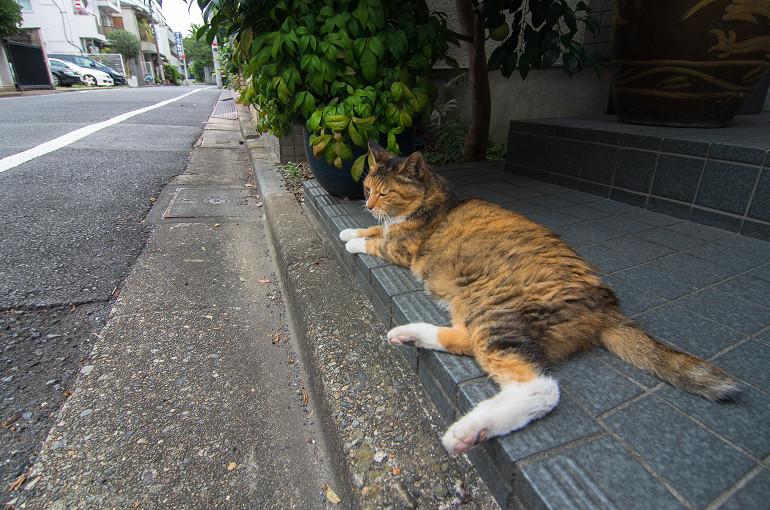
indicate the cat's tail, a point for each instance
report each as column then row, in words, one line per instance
column 627, row 340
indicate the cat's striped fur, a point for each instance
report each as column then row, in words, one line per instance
column 519, row 297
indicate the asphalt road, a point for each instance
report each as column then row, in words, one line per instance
column 74, row 217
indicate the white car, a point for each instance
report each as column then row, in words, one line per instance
column 90, row 77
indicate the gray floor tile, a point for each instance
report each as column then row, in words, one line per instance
column 728, row 310
column 670, row 238
column 762, row 272
column 699, row 465
column 585, row 212
column 637, row 249
column 652, row 218
column 747, row 245
column 550, row 202
column 701, row 272
column 578, row 197
column 739, row 420
column 621, row 224
column 613, row 207
column 657, row 281
column 699, row 231
column 594, row 383
column 600, row 474
column 763, row 337
column 605, row 259
column 748, row 362
column 591, row 231
column 753, row 495
column 552, row 219
column 683, row 329
column 724, row 256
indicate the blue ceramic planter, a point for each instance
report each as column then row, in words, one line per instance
column 338, row 182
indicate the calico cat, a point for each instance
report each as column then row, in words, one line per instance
column 518, row 296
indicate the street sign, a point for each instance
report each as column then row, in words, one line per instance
column 179, row 46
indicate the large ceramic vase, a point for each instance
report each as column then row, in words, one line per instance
column 339, row 182
column 687, row 62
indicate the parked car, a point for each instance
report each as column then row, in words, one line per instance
column 88, row 63
column 89, row 76
column 63, row 75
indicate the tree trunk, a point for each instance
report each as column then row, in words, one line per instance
column 472, row 25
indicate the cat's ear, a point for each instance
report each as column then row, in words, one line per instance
column 415, row 166
column 378, row 152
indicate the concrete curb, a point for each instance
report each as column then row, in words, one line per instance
column 377, row 413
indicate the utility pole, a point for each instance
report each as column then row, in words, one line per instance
column 215, row 54
column 157, row 45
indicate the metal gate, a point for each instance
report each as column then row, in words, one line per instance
column 29, row 66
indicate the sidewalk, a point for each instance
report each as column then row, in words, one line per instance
column 619, row 438
column 193, row 396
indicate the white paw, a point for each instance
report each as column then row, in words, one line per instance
column 419, row 334
column 348, row 234
column 464, row 434
column 356, row 245
column 513, row 408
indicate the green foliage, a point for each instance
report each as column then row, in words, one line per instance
column 352, row 70
column 125, row 43
column 449, row 145
column 198, row 54
column 172, row 74
column 10, row 18
column 541, row 32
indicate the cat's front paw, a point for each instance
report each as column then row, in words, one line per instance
column 348, row 234
column 419, row 334
column 357, row 245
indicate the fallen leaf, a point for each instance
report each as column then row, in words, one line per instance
column 231, row 466
column 396, row 471
column 20, row 480
column 331, row 495
column 263, row 281
column 276, row 339
column 305, row 397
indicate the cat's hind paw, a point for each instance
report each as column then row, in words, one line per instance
column 463, row 436
column 348, row 234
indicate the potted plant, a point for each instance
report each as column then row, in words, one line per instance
column 351, row 71
column 687, row 63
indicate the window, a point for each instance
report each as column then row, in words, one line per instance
column 26, row 5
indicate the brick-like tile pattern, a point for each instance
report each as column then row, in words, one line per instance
column 715, row 177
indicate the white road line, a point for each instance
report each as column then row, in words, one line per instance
column 57, row 143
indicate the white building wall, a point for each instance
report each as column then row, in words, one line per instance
column 61, row 28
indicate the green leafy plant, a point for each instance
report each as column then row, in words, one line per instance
column 125, row 43
column 352, row 70
column 531, row 34
column 172, row 74
column 10, row 18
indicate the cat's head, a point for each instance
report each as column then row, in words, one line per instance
column 395, row 185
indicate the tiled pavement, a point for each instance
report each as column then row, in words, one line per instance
column 619, row 437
